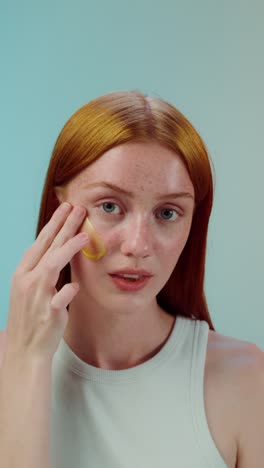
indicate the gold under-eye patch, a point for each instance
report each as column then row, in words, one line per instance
column 95, row 249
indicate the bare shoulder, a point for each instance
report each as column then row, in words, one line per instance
column 234, row 391
column 242, row 358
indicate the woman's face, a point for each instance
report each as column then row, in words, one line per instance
column 142, row 222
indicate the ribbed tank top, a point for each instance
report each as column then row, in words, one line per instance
column 148, row 416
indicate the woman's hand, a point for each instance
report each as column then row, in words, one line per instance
column 38, row 313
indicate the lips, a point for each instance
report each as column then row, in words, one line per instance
column 131, row 271
column 126, row 284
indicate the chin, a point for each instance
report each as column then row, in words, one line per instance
column 127, row 304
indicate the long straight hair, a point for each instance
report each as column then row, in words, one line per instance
column 125, row 116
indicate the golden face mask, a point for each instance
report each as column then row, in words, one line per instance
column 95, row 249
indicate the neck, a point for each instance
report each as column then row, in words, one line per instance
column 111, row 339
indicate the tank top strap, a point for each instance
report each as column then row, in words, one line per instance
column 203, row 439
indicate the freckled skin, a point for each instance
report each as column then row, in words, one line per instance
column 144, row 169
column 135, row 236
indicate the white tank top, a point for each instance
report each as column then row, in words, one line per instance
column 148, row 416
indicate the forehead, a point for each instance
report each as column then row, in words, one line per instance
column 138, row 166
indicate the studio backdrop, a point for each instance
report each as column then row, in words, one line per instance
column 205, row 57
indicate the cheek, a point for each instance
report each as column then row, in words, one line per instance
column 170, row 249
column 82, row 267
column 170, row 252
column 108, row 237
column 111, row 240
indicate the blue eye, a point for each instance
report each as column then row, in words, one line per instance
column 107, row 204
column 108, row 207
column 168, row 211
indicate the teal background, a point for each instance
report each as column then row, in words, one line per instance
column 205, row 57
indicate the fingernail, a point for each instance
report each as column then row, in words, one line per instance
column 65, row 206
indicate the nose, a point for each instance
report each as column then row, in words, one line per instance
column 137, row 238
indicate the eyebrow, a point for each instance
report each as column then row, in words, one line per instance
column 131, row 195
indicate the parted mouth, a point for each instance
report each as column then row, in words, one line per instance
column 131, row 272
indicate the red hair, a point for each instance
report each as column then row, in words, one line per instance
column 120, row 117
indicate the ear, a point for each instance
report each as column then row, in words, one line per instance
column 60, row 194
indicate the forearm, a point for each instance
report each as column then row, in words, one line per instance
column 25, row 407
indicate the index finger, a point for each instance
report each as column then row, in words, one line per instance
column 35, row 252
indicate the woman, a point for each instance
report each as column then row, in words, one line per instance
column 126, row 370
